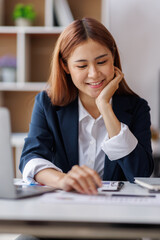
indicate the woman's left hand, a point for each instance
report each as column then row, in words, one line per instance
column 108, row 91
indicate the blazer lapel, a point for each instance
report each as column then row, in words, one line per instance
column 122, row 109
column 68, row 122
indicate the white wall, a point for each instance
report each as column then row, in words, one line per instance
column 135, row 25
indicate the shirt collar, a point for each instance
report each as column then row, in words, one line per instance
column 82, row 111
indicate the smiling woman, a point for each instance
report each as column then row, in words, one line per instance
column 88, row 125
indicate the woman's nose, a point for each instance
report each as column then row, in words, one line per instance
column 93, row 72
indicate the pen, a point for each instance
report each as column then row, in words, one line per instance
column 133, row 195
column 36, row 184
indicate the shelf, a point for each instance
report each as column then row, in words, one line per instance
column 20, row 104
column 33, row 47
column 28, row 86
column 8, row 44
column 30, row 30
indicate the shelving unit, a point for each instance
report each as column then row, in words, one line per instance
column 33, row 47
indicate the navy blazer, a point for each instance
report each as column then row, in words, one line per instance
column 53, row 135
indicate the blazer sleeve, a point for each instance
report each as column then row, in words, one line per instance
column 139, row 163
column 40, row 140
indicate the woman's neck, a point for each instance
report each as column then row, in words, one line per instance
column 91, row 107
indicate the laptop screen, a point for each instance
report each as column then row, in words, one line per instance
column 6, row 159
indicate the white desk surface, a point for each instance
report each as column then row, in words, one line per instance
column 38, row 217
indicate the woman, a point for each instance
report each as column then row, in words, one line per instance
column 88, row 125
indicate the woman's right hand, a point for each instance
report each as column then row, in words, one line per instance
column 81, row 179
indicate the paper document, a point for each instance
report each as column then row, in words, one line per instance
column 62, row 197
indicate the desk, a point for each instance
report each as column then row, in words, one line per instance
column 35, row 217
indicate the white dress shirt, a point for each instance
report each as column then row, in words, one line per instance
column 94, row 144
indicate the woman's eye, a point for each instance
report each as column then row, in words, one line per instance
column 102, row 62
column 83, row 66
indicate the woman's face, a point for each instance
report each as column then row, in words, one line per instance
column 91, row 66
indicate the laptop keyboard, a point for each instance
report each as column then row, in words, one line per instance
column 27, row 190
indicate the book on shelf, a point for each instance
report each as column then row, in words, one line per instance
column 62, row 13
column 49, row 9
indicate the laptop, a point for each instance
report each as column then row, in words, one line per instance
column 8, row 189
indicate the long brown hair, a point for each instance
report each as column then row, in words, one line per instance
column 61, row 89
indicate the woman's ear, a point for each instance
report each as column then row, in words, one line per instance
column 65, row 67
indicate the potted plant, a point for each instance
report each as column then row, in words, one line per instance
column 8, row 68
column 23, row 14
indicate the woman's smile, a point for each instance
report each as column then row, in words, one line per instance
column 96, row 84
